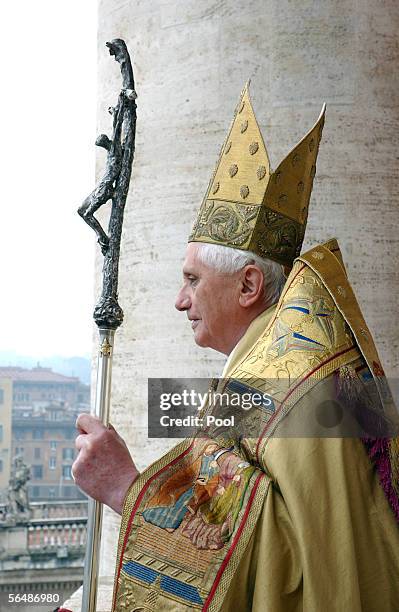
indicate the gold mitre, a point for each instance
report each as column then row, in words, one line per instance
column 249, row 207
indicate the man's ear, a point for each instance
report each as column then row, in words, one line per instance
column 252, row 286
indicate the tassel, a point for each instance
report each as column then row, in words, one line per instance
column 379, row 451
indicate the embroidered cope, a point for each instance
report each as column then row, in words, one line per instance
column 296, row 508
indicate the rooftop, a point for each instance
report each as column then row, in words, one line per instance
column 37, row 374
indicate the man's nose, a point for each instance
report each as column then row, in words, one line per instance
column 182, row 301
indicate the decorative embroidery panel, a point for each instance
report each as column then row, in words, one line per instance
column 188, row 520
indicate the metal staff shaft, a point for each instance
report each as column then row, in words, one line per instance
column 95, row 508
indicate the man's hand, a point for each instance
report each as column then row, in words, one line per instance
column 103, row 468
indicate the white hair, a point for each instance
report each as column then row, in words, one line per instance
column 228, row 260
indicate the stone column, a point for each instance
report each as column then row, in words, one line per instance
column 191, row 61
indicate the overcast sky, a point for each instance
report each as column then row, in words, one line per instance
column 48, row 127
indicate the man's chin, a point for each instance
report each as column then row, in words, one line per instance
column 199, row 339
column 204, row 342
column 200, row 342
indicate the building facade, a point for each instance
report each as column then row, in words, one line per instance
column 5, row 433
column 45, row 405
column 45, row 440
column 38, row 387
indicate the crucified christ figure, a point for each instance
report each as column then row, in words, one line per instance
column 106, row 187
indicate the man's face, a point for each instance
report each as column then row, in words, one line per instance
column 210, row 300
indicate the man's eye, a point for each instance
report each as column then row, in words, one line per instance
column 192, row 280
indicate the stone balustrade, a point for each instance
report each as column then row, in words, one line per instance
column 46, row 535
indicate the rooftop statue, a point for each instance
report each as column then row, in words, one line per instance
column 17, row 509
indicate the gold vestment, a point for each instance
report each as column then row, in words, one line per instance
column 291, row 514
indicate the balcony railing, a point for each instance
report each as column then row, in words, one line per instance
column 61, row 536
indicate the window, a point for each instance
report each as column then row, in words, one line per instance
column 19, row 434
column 1, row 396
column 53, row 445
column 52, row 463
column 35, row 491
column 19, row 450
column 37, row 434
column 37, row 453
column 37, row 471
column 51, row 492
column 66, row 472
column 1, row 433
column 1, row 465
column 67, row 454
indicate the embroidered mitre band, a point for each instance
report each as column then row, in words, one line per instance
column 249, row 207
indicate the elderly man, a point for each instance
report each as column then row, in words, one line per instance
column 296, row 506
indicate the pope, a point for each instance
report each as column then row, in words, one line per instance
column 296, row 507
